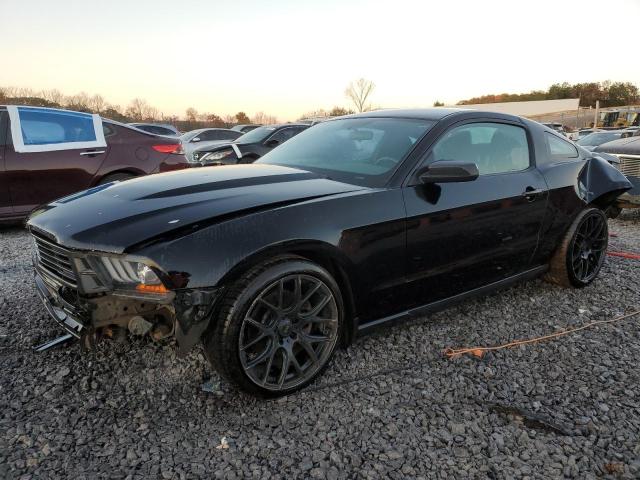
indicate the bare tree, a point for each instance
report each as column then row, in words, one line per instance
column 192, row 114
column 151, row 114
column 264, row 119
column 229, row 120
column 358, row 92
column 137, row 109
column 54, row 95
column 97, row 103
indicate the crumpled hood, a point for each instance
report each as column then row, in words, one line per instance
column 113, row 217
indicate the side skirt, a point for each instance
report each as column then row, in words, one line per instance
column 447, row 302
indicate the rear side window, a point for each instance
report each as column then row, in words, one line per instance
column 493, row 147
column 561, row 149
column 157, row 130
column 228, row 135
column 36, row 129
column 209, row 135
column 108, row 130
column 285, row 134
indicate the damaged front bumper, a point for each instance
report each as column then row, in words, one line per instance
column 185, row 315
column 64, row 314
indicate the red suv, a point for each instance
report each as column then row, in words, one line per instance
column 48, row 153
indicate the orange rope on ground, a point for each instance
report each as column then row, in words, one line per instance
column 480, row 351
column 632, row 256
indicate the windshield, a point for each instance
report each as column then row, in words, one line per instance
column 360, row 151
column 595, row 139
column 256, row 135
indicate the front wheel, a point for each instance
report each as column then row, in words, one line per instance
column 277, row 328
column 581, row 254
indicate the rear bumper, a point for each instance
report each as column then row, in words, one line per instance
column 59, row 310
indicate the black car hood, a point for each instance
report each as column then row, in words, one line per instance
column 629, row 145
column 116, row 216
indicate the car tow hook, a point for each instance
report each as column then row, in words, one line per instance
column 53, row 343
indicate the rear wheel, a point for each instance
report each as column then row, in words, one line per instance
column 277, row 328
column 115, row 177
column 581, row 254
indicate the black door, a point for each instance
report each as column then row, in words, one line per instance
column 461, row 236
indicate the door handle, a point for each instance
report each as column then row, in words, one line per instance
column 93, row 152
column 531, row 193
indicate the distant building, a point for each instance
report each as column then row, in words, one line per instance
column 527, row 109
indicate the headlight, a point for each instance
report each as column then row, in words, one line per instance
column 130, row 275
column 216, row 156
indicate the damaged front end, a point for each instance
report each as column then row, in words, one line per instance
column 93, row 295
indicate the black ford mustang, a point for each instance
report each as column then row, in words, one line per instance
column 357, row 222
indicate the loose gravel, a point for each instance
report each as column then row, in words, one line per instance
column 392, row 405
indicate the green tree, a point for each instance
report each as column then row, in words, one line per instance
column 339, row 111
column 622, row 93
column 242, row 117
column 438, row 103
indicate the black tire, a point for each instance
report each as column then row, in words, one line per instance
column 579, row 258
column 120, row 177
column 283, row 338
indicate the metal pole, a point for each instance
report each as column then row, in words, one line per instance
column 595, row 118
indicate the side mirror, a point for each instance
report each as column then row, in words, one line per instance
column 448, row 172
column 195, row 139
column 272, row 143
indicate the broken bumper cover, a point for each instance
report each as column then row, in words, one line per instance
column 193, row 310
column 631, row 198
column 62, row 312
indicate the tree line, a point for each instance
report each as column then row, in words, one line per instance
column 138, row 110
column 610, row 94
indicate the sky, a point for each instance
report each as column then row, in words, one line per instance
column 289, row 57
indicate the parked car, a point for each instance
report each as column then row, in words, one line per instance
column 249, row 147
column 592, row 140
column 245, row 127
column 358, row 222
column 629, row 132
column 55, row 157
column 627, row 150
column 206, row 137
column 583, row 132
column 157, row 128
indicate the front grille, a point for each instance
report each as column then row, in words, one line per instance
column 55, row 260
column 630, row 165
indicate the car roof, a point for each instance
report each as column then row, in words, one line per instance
column 166, row 125
column 434, row 114
column 630, row 145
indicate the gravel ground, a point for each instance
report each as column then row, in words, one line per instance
column 391, row 405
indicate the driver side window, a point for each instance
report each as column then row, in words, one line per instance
column 493, row 147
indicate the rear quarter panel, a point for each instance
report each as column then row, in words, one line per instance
column 132, row 151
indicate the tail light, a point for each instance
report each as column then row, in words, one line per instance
column 175, row 148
